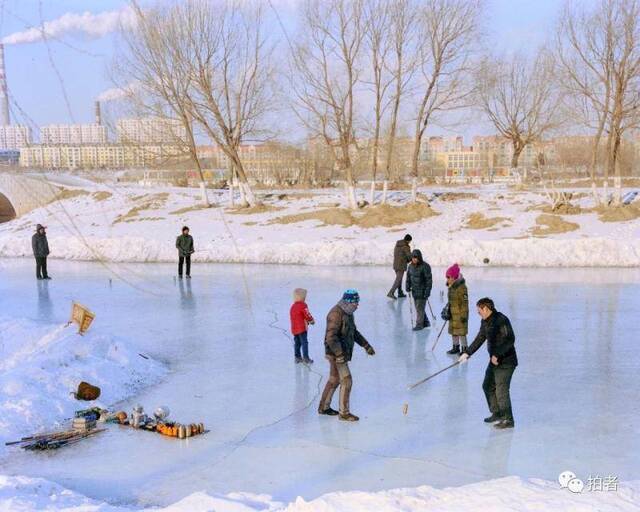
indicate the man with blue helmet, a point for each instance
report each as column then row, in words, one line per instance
column 340, row 338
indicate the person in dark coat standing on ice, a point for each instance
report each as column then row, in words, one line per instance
column 496, row 330
column 419, row 283
column 184, row 244
column 340, row 338
column 458, row 309
column 401, row 258
column 40, row 247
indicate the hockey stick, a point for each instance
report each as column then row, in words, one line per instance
column 433, row 375
column 440, row 334
column 431, row 309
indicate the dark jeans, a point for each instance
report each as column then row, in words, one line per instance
column 181, row 261
column 421, row 313
column 41, row 267
column 300, row 340
column 497, row 380
column 397, row 284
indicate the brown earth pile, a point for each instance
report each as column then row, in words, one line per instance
column 618, row 213
column 552, row 224
column 477, row 220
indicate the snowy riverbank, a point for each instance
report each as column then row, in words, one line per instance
column 470, row 225
column 41, row 364
column 510, row 494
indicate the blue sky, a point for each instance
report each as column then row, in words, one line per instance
column 38, row 73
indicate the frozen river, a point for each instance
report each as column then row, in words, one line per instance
column 575, row 393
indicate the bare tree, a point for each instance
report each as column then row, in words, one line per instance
column 446, row 39
column 208, row 61
column 326, row 61
column 519, row 97
column 153, row 86
column 599, row 58
column 401, row 66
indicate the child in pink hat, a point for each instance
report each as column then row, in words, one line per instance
column 457, row 309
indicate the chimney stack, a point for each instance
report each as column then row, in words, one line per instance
column 4, row 97
column 98, row 114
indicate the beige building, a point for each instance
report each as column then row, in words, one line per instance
column 14, row 136
column 97, row 156
column 73, row 134
column 150, row 130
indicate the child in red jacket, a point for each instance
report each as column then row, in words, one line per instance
column 300, row 319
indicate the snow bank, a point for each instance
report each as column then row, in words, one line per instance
column 510, row 494
column 530, row 252
column 40, row 365
column 124, row 223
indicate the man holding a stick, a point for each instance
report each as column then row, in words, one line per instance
column 496, row 330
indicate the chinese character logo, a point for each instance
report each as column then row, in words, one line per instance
column 597, row 483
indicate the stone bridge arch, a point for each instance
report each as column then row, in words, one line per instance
column 21, row 194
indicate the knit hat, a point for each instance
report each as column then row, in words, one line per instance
column 351, row 296
column 299, row 294
column 453, row 271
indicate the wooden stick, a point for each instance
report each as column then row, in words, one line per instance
column 433, row 375
column 439, row 334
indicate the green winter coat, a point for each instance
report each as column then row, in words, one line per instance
column 184, row 244
column 459, row 307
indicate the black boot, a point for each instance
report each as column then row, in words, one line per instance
column 493, row 418
column 328, row 412
column 455, row 350
column 391, row 296
column 401, row 295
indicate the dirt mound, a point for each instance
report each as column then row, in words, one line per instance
column 552, row 224
column 102, row 195
column 68, row 193
column 188, row 209
column 151, row 202
column 477, row 220
column 259, row 208
column 372, row 217
column 560, row 209
column 618, row 213
column 457, row 196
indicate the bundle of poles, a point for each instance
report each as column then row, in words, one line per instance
column 53, row 440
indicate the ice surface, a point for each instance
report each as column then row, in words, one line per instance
column 575, row 392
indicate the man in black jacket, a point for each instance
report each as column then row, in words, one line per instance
column 184, row 244
column 419, row 283
column 496, row 330
column 40, row 248
column 401, row 257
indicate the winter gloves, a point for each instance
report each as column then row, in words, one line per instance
column 340, row 359
column 370, row 350
column 463, row 358
column 446, row 313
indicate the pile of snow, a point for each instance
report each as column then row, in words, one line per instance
column 41, row 364
column 510, row 494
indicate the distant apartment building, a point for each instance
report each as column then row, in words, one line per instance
column 498, row 151
column 97, row 156
column 14, row 136
column 268, row 162
column 73, row 134
column 150, row 130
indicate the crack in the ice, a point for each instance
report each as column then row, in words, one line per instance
column 238, row 444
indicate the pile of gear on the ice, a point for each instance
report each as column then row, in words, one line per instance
column 85, row 424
